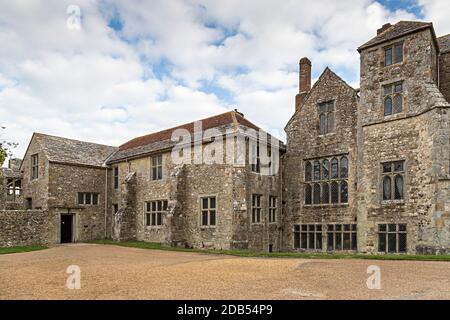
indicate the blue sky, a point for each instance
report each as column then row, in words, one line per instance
column 134, row 67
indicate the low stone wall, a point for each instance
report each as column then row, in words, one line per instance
column 25, row 227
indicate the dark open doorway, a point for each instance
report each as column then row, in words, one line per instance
column 66, row 228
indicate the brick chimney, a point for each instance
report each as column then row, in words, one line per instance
column 305, row 75
column 383, row 28
column 304, row 82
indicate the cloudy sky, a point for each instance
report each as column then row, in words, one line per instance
column 132, row 67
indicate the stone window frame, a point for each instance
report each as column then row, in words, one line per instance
column 392, row 47
column 392, row 95
column 13, row 189
column 256, row 209
column 150, row 214
column 92, row 196
column 392, row 176
column 304, row 231
column 340, row 229
column 34, row 166
column 325, row 114
column 116, row 177
column 208, row 210
column 328, row 181
column 273, row 209
column 115, row 208
column 398, row 233
column 157, row 167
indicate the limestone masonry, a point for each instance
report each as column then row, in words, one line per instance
column 363, row 170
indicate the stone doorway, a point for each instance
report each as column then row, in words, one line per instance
column 66, row 228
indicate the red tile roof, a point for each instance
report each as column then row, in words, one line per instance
column 231, row 117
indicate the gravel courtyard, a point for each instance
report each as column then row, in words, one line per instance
column 111, row 272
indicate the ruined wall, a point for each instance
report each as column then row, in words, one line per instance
column 444, row 74
column 65, row 182
column 24, row 228
column 2, row 191
column 304, row 142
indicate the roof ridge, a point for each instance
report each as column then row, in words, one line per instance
column 59, row 137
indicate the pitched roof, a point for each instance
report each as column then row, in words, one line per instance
column 397, row 30
column 162, row 139
column 71, row 151
column 444, row 44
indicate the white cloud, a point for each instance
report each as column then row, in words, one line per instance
column 100, row 85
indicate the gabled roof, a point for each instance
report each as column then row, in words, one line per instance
column 327, row 71
column 161, row 140
column 444, row 44
column 395, row 31
column 69, row 151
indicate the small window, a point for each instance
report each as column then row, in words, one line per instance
column 393, row 181
column 208, row 211
column 308, row 194
column 273, row 209
column 256, row 159
column 392, row 238
column 325, row 193
column 154, row 212
column 393, row 98
column 393, row 54
column 308, row 237
column 34, row 166
column 343, row 170
column 334, row 193
column 157, row 167
column 88, row 198
column 115, row 208
column 256, row 208
column 316, row 194
column 116, row 177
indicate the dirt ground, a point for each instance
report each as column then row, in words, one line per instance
column 111, row 272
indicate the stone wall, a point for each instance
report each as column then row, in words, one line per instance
column 418, row 135
column 24, row 228
column 65, row 182
column 444, row 75
column 304, row 142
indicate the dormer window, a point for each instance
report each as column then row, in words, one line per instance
column 326, row 117
column 393, row 98
column 393, row 54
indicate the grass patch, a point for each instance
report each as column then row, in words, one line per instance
column 21, row 249
column 257, row 254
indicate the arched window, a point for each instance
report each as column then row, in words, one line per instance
column 325, row 193
column 398, row 190
column 388, row 106
column 398, row 103
column 334, row 192
column 334, row 169
column 344, row 192
column 308, row 194
column 325, row 170
column 308, row 171
column 387, row 191
column 316, row 194
column 316, row 170
column 343, row 170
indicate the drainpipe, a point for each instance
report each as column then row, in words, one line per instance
column 106, row 200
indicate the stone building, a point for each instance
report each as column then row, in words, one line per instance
column 68, row 180
column 368, row 169
column 364, row 170
column 11, row 186
column 198, row 202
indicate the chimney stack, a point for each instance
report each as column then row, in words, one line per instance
column 383, row 28
column 304, row 82
column 305, row 75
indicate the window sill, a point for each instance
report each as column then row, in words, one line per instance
column 392, row 202
column 207, row 227
column 326, row 135
column 153, row 227
column 257, row 224
column 325, row 205
column 397, row 64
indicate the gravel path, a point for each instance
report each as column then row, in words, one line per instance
column 111, row 272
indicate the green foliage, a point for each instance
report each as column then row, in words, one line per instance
column 257, row 254
column 21, row 249
column 6, row 148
